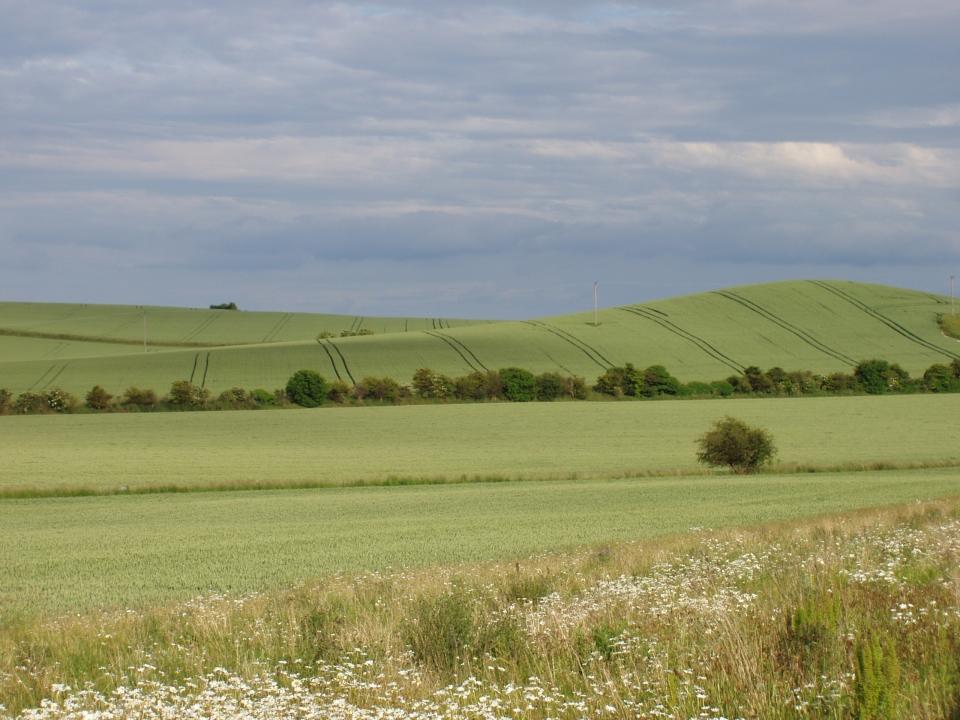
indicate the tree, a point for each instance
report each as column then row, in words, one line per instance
column 549, row 386
column 939, row 378
column 657, row 381
column 225, row 306
column 98, row 398
column 139, row 397
column 185, row 394
column 734, row 444
column 307, row 388
column 519, row 385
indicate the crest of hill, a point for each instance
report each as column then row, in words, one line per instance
column 823, row 326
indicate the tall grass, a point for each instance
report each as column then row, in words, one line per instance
column 853, row 616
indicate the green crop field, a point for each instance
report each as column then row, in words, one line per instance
column 74, row 554
column 107, row 453
column 812, row 325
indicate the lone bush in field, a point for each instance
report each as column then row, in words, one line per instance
column 98, row 398
column 307, row 388
column 734, row 444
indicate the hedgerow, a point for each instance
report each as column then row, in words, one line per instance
column 308, row 389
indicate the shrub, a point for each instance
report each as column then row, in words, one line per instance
column 695, row 388
column 734, row 444
column 549, row 386
column 139, row 397
column 721, row 388
column 60, row 401
column 428, row 384
column 307, row 388
column 324, row 334
column 383, row 389
column 879, row 376
column 839, row 382
column 236, row 398
column 263, row 398
column 225, row 306
column 98, row 398
column 619, row 381
column 519, row 385
column 575, row 387
column 479, row 385
column 29, row 403
column 339, row 392
column 184, row 394
column 940, row 378
column 6, row 401
column 657, row 381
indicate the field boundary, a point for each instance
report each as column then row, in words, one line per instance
column 40, row 493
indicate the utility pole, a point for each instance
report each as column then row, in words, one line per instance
column 596, row 311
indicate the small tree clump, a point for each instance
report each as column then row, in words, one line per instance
column 60, row 401
column 263, row 398
column 225, row 306
column 430, row 385
column 236, row 398
column 98, row 398
column 374, row 388
column 549, row 386
column 734, row 444
column 30, row 403
column 307, row 388
column 519, row 385
column 143, row 398
column 184, row 394
column 339, row 392
column 6, row 401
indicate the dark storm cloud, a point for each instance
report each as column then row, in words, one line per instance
column 492, row 157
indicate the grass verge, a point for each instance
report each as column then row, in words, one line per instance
column 852, row 616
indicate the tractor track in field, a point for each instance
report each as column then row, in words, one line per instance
column 277, row 327
column 57, row 374
column 333, row 363
column 206, row 367
column 41, row 378
column 705, row 346
column 343, row 360
column 193, row 372
column 207, row 322
column 466, row 349
column 457, row 350
column 591, row 352
column 788, row 326
column 889, row 322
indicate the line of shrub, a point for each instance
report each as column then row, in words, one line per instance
column 307, row 388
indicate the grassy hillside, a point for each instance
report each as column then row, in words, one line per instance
column 821, row 326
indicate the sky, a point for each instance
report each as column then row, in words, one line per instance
column 486, row 160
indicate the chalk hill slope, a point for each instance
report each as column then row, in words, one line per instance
column 822, row 326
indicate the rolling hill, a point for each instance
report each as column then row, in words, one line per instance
column 822, row 326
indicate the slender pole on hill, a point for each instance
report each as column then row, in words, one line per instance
column 596, row 311
column 144, row 309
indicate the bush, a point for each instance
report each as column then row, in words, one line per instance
column 60, row 401
column 236, row 398
column 307, row 388
column 428, row 384
column 374, row 388
column 29, row 403
column 98, row 398
column 184, row 394
column 879, row 376
column 225, row 306
column 339, row 392
column 657, row 381
column 479, row 386
column 695, row 388
column 549, row 386
column 734, row 444
column 575, row 387
column 940, row 378
column 519, row 385
column 619, row 381
column 139, row 397
column 721, row 388
column 6, row 401
column 263, row 398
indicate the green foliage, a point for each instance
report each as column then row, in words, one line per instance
column 60, row 401
column 30, row 403
column 941, row 378
column 383, row 389
column 187, row 396
column 225, row 306
column 339, row 392
column 657, row 381
column 236, row 398
column 430, row 385
column 307, row 388
column 549, row 386
column 441, row 629
column 620, row 381
column 878, row 377
column 137, row 397
column 6, row 401
column 734, row 444
column 98, row 398
column 877, row 683
column 479, row 385
column 356, row 333
column 519, row 385
column 840, row 383
column 263, row 398
column 721, row 388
